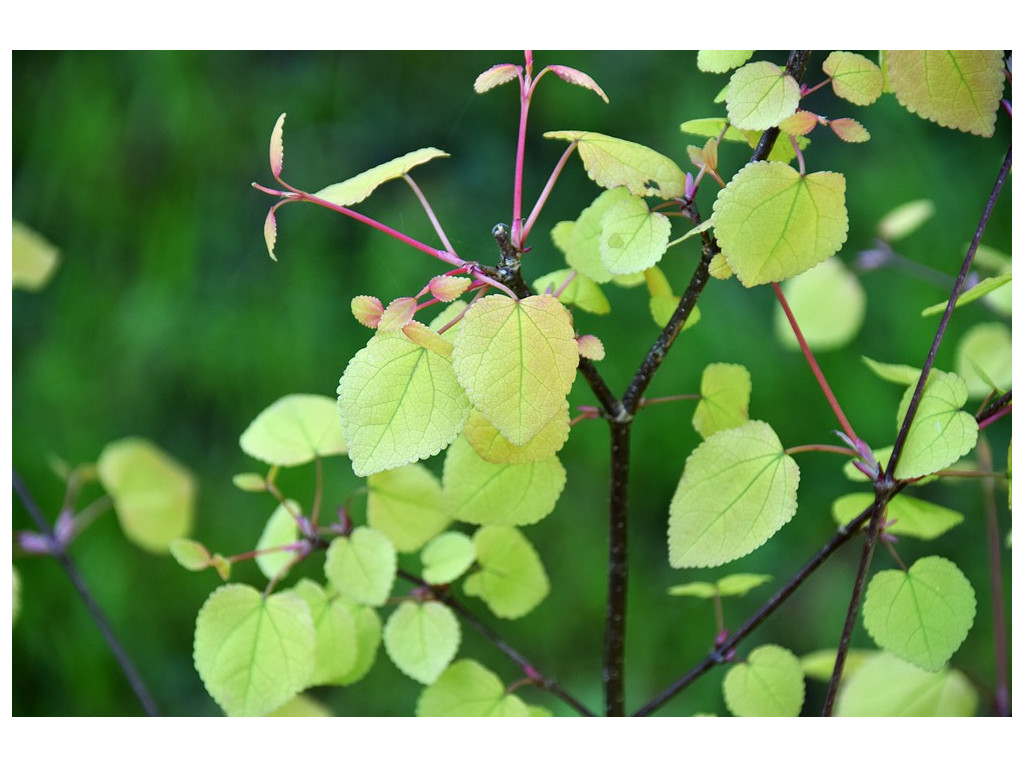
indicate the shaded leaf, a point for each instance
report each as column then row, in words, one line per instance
column 362, row 566
column 491, row 446
column 468, row 689
column 905, row 220
column 405, row 505
column 421, row 639
column 983, row 359
column 337, row 642
column 511, row 579
column 941, row 433
column 34, row 258
column 770, row 683
column 447, row 557
column 828, row 302
column 983, row 288
column 724, row 398
column 632, row 238
column 906, row 515
column 294, row 430
column 582, row 292
column 885, row 686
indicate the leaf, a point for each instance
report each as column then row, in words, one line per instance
column 905, row 220
column 701, row 589
column 495, row 76
column 511, row 579
column 153, row 495
column 251, row 482
column 270, row 233
column 477, row 491
column 362, row 566
column 358, row 188
column 906, row 515
column 956, row 89
column 582, row 292
column 854, row 77
column 772, row 223
column 301, row 706
column 517, row 361
column 632, row 237
column 367, row 310
column 712, row 128
column 818, row 665
column 190, row 555
column 800, row 123
column 368, row 638
column 733, row 585
column 983, row 288
column 828, row 302
column 468, row 689
column 941, row 433
column 770, row 683
column 983, row 359
column 849, row 130
column 761, row 95
column 575, row 77
column 294, row 430
column 721, row 61
column 34, row 258
column 922, row 615
column 447, row 557
column 280, row 530
column 894, row 372
column 885, row 686
column 737, row 491
column 582, row 246
column 252, row 653
column 612, row 162
column 590, row 346
column 491, row 446
column 448, row 287
column 277, row 147
column 397, row 314
column 337, row 641
column 724, row 398
column 399, row 403
column 421, row 639
column 405, row 505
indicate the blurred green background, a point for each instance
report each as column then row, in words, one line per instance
column 167, row 320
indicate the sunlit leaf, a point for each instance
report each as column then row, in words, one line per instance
column 983, row 359
column 397, row 314
column 362, row 566
column 576, row 77
column 190, row 555
column 733, row 585
column 277, row 147
column 301, row 706
column 468, row 689
column 905, row 515
column 983, row 288
column 422, row 638
column 905, row 220
column 405, row 505
column 511, row 579
column 941, row 433
column 724, row 398
column 270, row 233
column 770, row 683
column 761, row 95
column 367, row 310
column 447, row 557
column 280, row 530
column 721, row 61
column 495, row 76
column 712, row 128
column 849, row 130
column 491, row 446
column 34, row 258
column 894, row 372
column 885, row 686
column 448, row 287
column 828, row 302
column 581, row 243
column 590, row 346
column 582, row 292
column 818, row 665
column 800, row 123
column 294, row 430
column 702, row 589
column 337, row 643
column 613, row 162
column 633, row 237
column 854, row 77
column 358, row 188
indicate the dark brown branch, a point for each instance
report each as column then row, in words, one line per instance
column 618, row 571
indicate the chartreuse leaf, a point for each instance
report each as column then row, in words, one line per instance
column 301, row 706
column 337, row 643
column 405, row 505
column 253, row 653
column 983, row 359
column 828, row 302
column 511, row 579
column 922, row 615
column 294, row 430
column 250, row 482
column 447, row 557
column 580, row 241
column 721, row 61
column 362, row 566
column 854, row 77
column 480, row 492
column 517, row 361
column 491, row 446
column 702, row 589
column 818, row 665
column 983, row 288
column 724, row 398
column 422, row 638
column 712, row 128
column 153, row 495
column 770, row 683
column 906, row 515
column 34, row 258
column 905, row 220
column 941, row 433
column 737, row 490
column 612, row 162
column 468, row 689
column 956, row 89
column 885, row 686
column 1001, row 298
column 663, row 302
column 633, row 237
column 774, row 223
column 368, row 639
column 280, row 530
column 894, row 372
column 358, row 188
column 582, row 292
column 190, row 555
column 761, row 95
column 733, row 585
column 399, row 403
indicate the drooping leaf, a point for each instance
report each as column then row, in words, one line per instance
column 34, row 258
column 362, row 566
column 772, row 223
column 983, row 359
column 253, row 653
column 495, row 76
column 905, row 220
column 800, row 123
column 517, row 361
column 761, row 95
column 737, row 490
column 153, row 495
column 582, row 292
column 854, row 77
column 828, row 302
column 721, row 61
column 511, row 579
column 337, row 642
column 447, row 557
column 885, row 686
column 448, row 287
column 906, row 515
column 581, row 79
column 468, row 689
column 270, row 233
column 922, row 615
column 941, row 433
column 894, row 372
column 400, row 402
column 712, row 128
column 956, row 89
column 491, row 446
column 277, row 147
column 358, row 188
column 405, row 505
column 633, row 237
column 770, row 683
column 849, row 130
column 422, row 638
column 983, row 288
column 294, row 430
column 280, row 530
column 613, row 162
column 724, row 398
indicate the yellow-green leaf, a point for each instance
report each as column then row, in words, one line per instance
column 854, row 77
column 34, row 258
column 468, row 689
column 761, row 95
column 447, row 557
column 358, row 188
column 280, row 530
column 511, row 579
column 613, row 162
column 828, row 302
column 633, row 237
column 337, row 640
column 582, row 292
column 905, row 515
column 983, row 288
column 770, row 683
column 983, row 359
column 885, row 686
column 905, row 219
column 941, row 433
column 405, row 505
column 491, row 446
column 721, row 61
column 422, row 638
column 362, row 566
column 724, row 398
column 294, row 430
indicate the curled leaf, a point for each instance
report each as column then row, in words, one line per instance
column 277, row 147
column 495, row 76
column 270, row 232
column 576, row 77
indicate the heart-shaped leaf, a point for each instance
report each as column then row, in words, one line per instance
column 362, row 566
column 761, row 95
column 770, row 683
column 511, row 579
column 468, row 689
column 405, row 505
column 941, row 433
column 422, row 638
column 613, row 162
column 294, row 430
column 885, row 686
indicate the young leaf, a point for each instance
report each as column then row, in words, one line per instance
column 854, row 77
column 576, row 77
column 906, row 516
column 702, row 589
column 362, row 566
column 590, row 346
column 712, row 128
column 280, row 530
column 405, row 505
column 294, row 430
column 849, row 130
column 828, row 302
column 190, row 555
column 983, row 288
column 368, row 639
column 489, row 444
column 737, row 491
column 761, row 95
column 153, row 495
column 956, row 89
column 612, row 162
column 358, row 188
column 632, row 237
column 448, row 287
column 941, row 433
column 422, row 639
column 818, row 665
column 770, row 683
column 738, row 584
column 772, row 223
column 337, row 642
column 517, row 361
column 250, row 482
column 468, row 689
column 270, row 233
column 724, row 398
column 447, row 557
column 885, row 686
column 582, row 292
column 800, row 123
column 34, row 258
column 477, row 491
column 922, row 615
column 495, row 76
column 721, row 61
column 894, row 372
column 581, row 244
column 397, row 315
column 983, row 359
column 905, row 220
column 367, row 310
column 277, row 147
column 511, row 579
column 253, row 653
column 399, row 403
